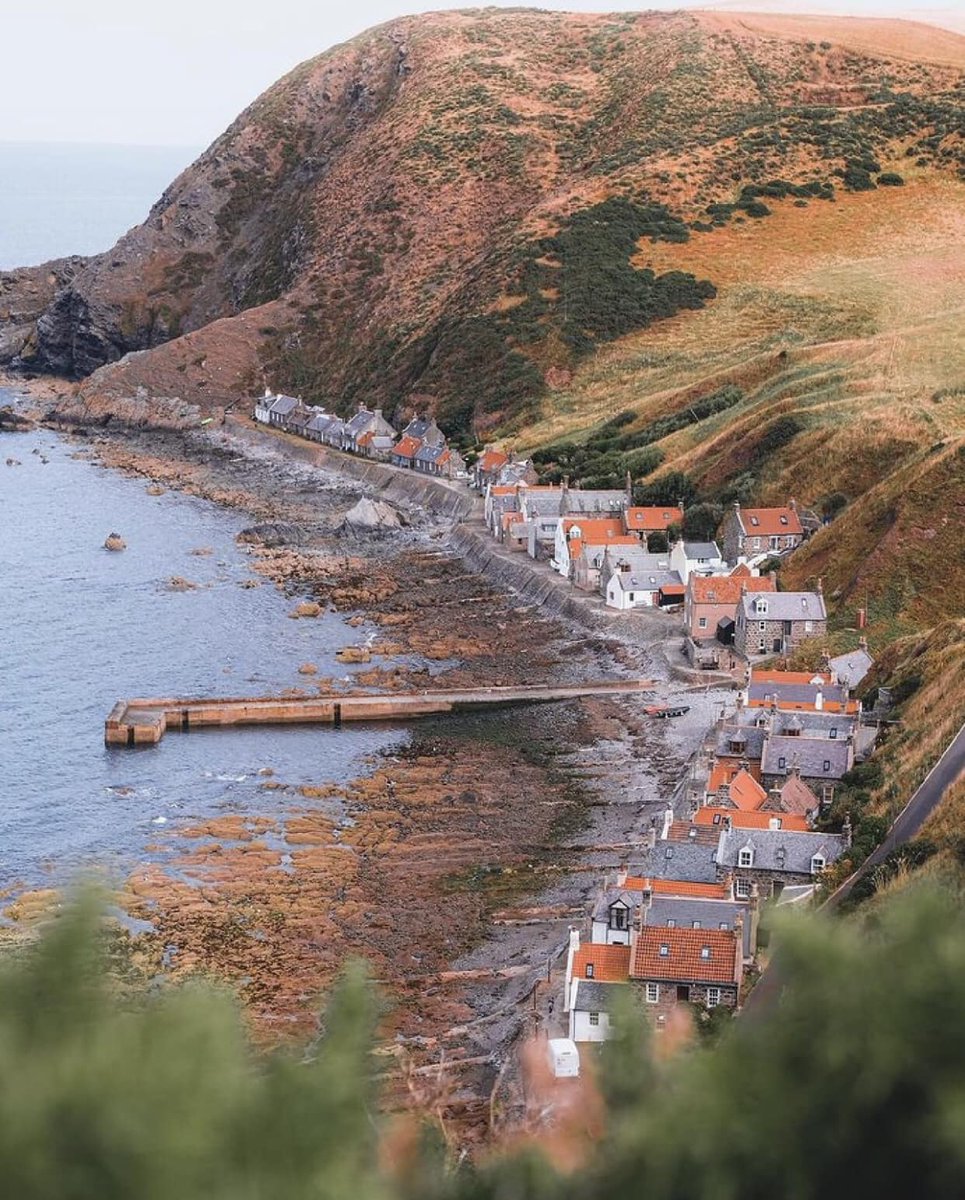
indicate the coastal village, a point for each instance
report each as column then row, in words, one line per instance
column 754, row 822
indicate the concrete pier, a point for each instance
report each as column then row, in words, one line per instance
column 145, row 722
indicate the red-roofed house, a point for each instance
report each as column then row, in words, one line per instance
column 487, row 468
column 678, row 965
column 572, row 532
column 713, row 817
column 405, row 450
column 652, row 518
column 750, row 532
column 710, row 599
column 731, row 785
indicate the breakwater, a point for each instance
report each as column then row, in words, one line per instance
column 144, row 722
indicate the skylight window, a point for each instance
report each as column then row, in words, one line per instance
column 664, row 950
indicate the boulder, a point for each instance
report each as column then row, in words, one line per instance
column 373, row 514
column 354, row 654
column 307, row 608
column 114, row 541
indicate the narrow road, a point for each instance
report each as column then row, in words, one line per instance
column 906, row 825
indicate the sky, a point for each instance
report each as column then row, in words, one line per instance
column 177, row 73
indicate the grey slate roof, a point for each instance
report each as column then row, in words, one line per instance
column 639, row 559
column 800, row 693
column 601, row 910
column 852, row 668
column 698, row 550
column 284, row 405
column 809, row 755
column 592, row 996
column 784, row 606
column 579, row 500
column 429, row 454
column 319, row 423
column 636, row 580
column 810, row 723
column 684, row 911
column 753, row 740
column 543, row 503
column 768, row 844
column 677, row 860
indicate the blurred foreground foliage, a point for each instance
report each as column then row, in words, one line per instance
column 854, row 1082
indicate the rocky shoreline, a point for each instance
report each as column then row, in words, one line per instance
column 457, row 863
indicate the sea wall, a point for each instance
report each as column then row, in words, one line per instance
column 518, row 574
column 407, row 489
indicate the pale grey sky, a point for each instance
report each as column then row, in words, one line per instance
column 176, row 73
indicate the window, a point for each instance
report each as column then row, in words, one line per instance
column 695, row 925
column 745, row 858
column 808, row 626
column 827, row 764
column 618, row 917
column 594, row 1018
column 760, row 605
column 668, row 853
column 702, row 622
column 589, row 970
column 631, row 597
column 664, row 950
column 832, row 733
column 723, row 926
column 742, row 889
column 783, row 519
column 653, row 993
column 782, row 762
column 671, row 923
column 762, row 626
column 713, row 997
column 757, row 543
column 760, row 645
column 705, row 953
column 817, row 863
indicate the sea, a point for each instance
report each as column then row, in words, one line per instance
column 59, row 199
column 84, row 627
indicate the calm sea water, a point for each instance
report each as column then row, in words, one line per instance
column 69, row 199
column 83, row 627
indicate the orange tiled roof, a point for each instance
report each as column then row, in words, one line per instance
column 693, row 831
column 760, row 675
column 726, row 770
column 694, row 955
column 577, row 545
column 365, row 438
column 745, row 791
column 407, row 447
column 492, row 460
column 676, row 887
column 599, row 528
column 726, row 589
column 511, row 518
column 797, row 797
column 708, row 815
column 770, row 521
column 653, row 518
column 610, row 964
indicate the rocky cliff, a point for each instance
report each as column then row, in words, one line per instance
column 461, row 206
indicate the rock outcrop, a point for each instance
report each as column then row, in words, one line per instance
column 373, row 514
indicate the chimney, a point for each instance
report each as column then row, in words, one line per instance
column 819, row 701
column 667, row 822
column 772, row 576
column 737, row 506
column 792, row 505
column 727, row 823
column 378, row 413
column 629, row 488
column 863, row 644
column 651, row 837
column 739, row 951
column 820, row 586
column 622, row 875
column 846, row 829
column 574, row 938
column 754, row 911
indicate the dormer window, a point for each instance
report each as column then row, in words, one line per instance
column 781, row 857
column 782, row 762
column 618, row 917
column 832, row 733
column 760, row 605
column 745, row 857
column 695, row 925
column 818, row 863
column 668, row 853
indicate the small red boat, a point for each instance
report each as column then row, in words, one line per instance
column 666, row 710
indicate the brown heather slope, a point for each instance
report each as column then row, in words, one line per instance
column 397, row 215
